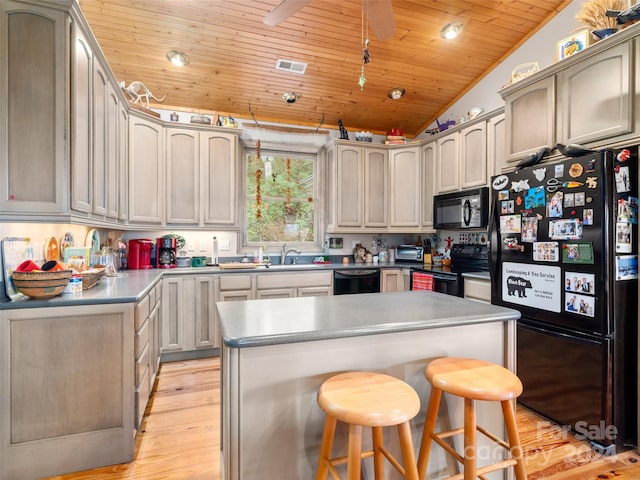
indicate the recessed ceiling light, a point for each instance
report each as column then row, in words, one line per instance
column 179, row 59
column 451, row 30
column 396, row 93
column 290, row 97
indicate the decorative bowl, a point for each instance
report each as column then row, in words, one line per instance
column 41, row 284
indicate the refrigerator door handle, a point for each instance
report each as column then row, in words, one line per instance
column 494, row 246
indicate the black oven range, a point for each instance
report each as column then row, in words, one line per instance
column 449, row 280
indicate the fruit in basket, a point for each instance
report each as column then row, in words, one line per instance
column 41, row 285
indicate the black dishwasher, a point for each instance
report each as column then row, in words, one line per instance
column 356, row 281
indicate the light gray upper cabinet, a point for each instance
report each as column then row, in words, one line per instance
column 33, row 98
column 447, row 165
column 530, row 114
column 201, row 177
column 146, row 171
column 376, row 187
column 404, row 191
column 428, row 185
column 496, row 156
column 219, row 187
column 590, row 98
column 99, row 150
column 349, row 190
column 183, row 176
column 473, row 155
column 594, row 97
column 123, row 163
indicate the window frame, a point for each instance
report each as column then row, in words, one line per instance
column 319, row 187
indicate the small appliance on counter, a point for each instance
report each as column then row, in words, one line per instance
column 166, row 248
column 409, row 253
column 139, row 257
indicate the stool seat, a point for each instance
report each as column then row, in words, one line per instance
column 475, row 379
column 369, row 399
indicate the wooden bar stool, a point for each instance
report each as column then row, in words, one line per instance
column 371, row 400
column 472, row 380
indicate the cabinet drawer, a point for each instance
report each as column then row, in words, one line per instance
column 142, row 397
column 142, row 363
column 477, row 289
column 290, row 280
column 235, row 282
column 152, row 298
column 141, row 339
column 158, row 290
column 142, row 312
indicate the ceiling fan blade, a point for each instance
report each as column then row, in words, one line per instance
column 381, row 19
column 284, row 10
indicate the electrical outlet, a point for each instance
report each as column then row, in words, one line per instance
column 354, row 243
column 224, row 245
column 191, row 247
column 203, row 246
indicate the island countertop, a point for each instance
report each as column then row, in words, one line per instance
column 281, row 321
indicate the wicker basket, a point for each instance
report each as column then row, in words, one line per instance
column 41, row 284
column 91, row 277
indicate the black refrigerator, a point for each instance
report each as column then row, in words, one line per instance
column 563, row 239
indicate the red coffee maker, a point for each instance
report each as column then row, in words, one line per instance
column 166, row 248
column 139, row 256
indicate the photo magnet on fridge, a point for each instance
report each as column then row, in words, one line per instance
column 580, row 282
column 546, row 252
column 581, row 304
column 626, row 267
column 579, row 252
column 623, row 237
column 623, row 179
column 628, row 210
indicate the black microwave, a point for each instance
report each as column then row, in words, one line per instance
column 463, row 209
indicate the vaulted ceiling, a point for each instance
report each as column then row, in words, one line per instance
column 233, row 56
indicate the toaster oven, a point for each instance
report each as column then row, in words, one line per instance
column 409, row 253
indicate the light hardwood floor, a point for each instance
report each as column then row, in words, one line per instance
column 180, row 437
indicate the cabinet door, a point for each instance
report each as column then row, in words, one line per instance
column 205, row 318
column 146, row 171
column 447, row 153
column 473, row 155
column 81, row 109
column 376, row 186
column 99, row 121
column 235, row 295
column 183, row 176
column 405, row 198
column 123, row 163
column 349, row 186
column 177, row 309
column 496, row 157
column 218, row 153
column 276, row 293
column 315, row 291
column 113, row 151
column 428, row 187
column 593, row 97
column 392, row 280
column 33, row 79
column 530, row 117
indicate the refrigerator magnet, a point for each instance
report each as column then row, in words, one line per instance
column 628, row 210
column 506, row 206
column 511, row 243
column 540, row 173
column 580, row 304
column 623, row 180
column 587, row 216
column 623, row 237
column 579, row 282
column 568, row 199
column 554, row 205
column 626, row 267
column 546, row 252
column 535, row 198
column 503, row 195
column 510, row 224
column 565, row 229
column 579, row 252
column 529, row 229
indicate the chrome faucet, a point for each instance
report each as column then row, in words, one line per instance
column 284, row 251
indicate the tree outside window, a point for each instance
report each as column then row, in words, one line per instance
column 280, row 198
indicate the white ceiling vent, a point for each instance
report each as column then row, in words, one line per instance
column 291, row 66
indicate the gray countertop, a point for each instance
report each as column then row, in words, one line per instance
column 478, row 275
column 137, row 283
column 254, row 323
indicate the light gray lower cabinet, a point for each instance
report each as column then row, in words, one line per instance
column 67, row 389
column 477, row 289
column 289, row 285
column 392, row 280
column 146, row 349
column 188, row 313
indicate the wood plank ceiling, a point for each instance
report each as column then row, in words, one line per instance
column 233, row 56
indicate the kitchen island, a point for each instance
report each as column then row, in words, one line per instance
column 276, row 353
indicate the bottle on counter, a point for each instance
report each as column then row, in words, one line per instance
column 214, row 253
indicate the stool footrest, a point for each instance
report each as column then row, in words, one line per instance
column 448, row 448
column 392, row 460
column 494, row 437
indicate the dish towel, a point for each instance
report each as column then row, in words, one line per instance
column 421, row 281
